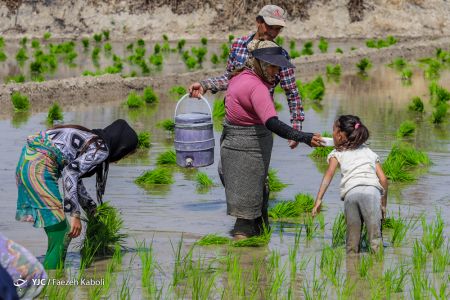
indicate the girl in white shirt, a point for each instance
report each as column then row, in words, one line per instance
column 363, row 185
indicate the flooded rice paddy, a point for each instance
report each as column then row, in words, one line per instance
column 289, row 267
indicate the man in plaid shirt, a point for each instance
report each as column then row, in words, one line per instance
column 270, row 21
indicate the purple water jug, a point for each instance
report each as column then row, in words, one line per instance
column 194, row 137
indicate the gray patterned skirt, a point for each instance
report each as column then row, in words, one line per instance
column 245, row 153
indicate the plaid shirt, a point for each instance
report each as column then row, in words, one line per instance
column 238, row 55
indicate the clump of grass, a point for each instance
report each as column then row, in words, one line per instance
column 323, row 45
column 203, row 181
column 20, row 102
column 213, row 239
column 168, row 125
column 21, row 56
column 307, row 48
column 54, row 113
column 334, row 70
column 19, row 78
column 374, row 43
column 339, row 50
column 134, row 100
column 167, row 158
column 416, row 104
column 275, row 184
column 178, row 90
column 102, row 232
column 144, row 140
column 149, row 95
column 302, row 203
column 156, row 176
column 433, row 233
column 254, row 241
column 322, row 152
column 339, row 230
column 439, row 113
column 363, row 65
column 218, row 109
column 406, row 128
column 313, row 90
column 398, row 63
column 401, row 161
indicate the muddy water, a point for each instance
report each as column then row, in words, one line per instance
column 164, row 214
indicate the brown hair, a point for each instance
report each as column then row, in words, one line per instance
column 355, row 131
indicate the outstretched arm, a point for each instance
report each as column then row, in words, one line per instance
column 332, row 166
column 285, row 131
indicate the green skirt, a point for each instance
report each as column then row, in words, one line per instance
column 39, row 200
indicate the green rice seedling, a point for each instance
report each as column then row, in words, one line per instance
column 344, row 287
column 19, row 78
column 321, row 219
column 203, row 181
column 204, row 41
column 322, row 152
column 218, row 109
column 2, row 42
column 309, row 226
column 107, row 47
column 394, row 280
column 433, row 233
column 365, row 264
column 307, row 48
column 102, row 232
column 199, row 53
column 438, row 94
column 339, row 50
column 54, row 113
column 284, row 209
column 144, row 67
column 304, row 202
column 214, row 59
column 35, row 44
column 407, row 74
column 294, row 53
column 433, row 70
column 165, row 47
column 363, row 65
column 406, row 128
column 292, row 45
column 180, row 44
column 279, row 40
column 144, row 140
column 400, row 228
column 140, row 43
column 395, row 170
column 441, row 258
column 416, row 105
column 3, row 56
column 225, row 52
column 156, row 176
column 168, row 125
column 190, row 62
column 85, row 42
column 148, row 267
column 275, row 184
column 96, row 53
column 293, row 262
column 398, row 63
column 182, row 262
column 23, row 42
column 331, row 262
column 149, row 95
column 230, row 38
column 97, row 37
column 441, row 293
column 439, row 113
column 254, row 241
column 106, row 35
column 157, row 48
column 202, row 280
column 323, row 45
column 134, row 100
column 313, row 90
column 279, row 89
column 167, row 158
column 178, row 91
column 339, row 230
column 317, row 289
column 213, row 239
column 20, row 102
column 21, row 56
column 334, row 70
column 125, row 292
column 420, row 286
column 278, row 105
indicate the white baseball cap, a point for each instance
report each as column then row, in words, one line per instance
column 273, row 15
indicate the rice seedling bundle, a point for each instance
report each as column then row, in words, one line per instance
column 294, row 53
column 275, row 184
column 15, row 78
column 416, row 105
column 106, row 35
column 102, row 232
column 407, row 128
column 156, row 176
column 323, row 45
column 334, row 70
column 398, row 63
column 156, row 60
column 97, row 37
column 279, row 40
column 21, row 56
column 149, row 95
column 374, row 43
column 178, row 91
column 23, row 42
column 322, row 152
column 339, row 50
column 364, row 64
column 167, row 158
column 199, row 53
column 20, row 102
column 433, row 70
column 407, row 74
column 54, row 113
column 167, row 124
column 225, row 51
column 95, row 53
column 180, row 44
column 213, row 239
column 85, row 42
column 144, row 140
column 3, row 56
column 134, row 100
column 107, row 47
column 214, row 59
column 2, row 42
column 307, row 48
column 254, row 241
column 218, row 109
column 230, row 38
column 439, row 113
column 203, row 181
column 204, row 41
column 278, row 105
column 313, row 90
column 438, row 94
column 284, row 209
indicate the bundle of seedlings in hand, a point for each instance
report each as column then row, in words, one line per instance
column 322, row 152
column 407, row 128
column 54, row 113
column 134, row 100
column 401, row 161
column 313, row 90
column 178, row 91
column 167, row 124
column 168, row 157
column 156, row 176
column 275, row 184
column 213, row 239
column 363, row 65
column 323, row 45
column 149, row 95
column 307, row 48
column 218, row 109
column 416, row 105
column 20, row 102
column 203, row 181
column 144, row 140
column 102, row 232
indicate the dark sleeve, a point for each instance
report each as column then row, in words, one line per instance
column 287, row 132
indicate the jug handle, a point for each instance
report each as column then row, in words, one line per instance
column 187, row 96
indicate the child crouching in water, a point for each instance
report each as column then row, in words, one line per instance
column 363, row 185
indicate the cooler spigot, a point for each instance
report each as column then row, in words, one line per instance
column 189, row 161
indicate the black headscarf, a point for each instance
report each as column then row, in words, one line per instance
column 121, row 140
